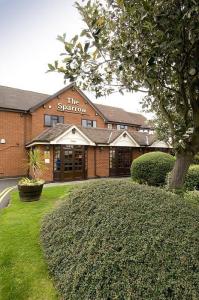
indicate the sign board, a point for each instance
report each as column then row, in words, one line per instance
column 47, row 157
column 71, row 106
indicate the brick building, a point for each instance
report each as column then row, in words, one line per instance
column 78, row 139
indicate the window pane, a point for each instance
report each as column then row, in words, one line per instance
column 57, row 158
column 84, row 123
column 54, row 120
column 122, row 127
column 89, row 123
column 61, row 119
column 47, row 120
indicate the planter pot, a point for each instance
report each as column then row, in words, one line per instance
column 30, row 193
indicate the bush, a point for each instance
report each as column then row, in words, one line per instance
column 196, row 159
column 192, row 196
column 119, row 240
column 192, row 178
column 152, row 168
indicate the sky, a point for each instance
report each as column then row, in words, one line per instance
column 28, row 31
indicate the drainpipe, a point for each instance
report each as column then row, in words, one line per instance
column 147, row 140
column 95, row 166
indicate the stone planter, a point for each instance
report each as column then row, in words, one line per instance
column 30, row 193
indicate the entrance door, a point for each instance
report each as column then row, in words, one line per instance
column 120, row 161
column 69, row 162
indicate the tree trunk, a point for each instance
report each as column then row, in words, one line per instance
column 183, row 161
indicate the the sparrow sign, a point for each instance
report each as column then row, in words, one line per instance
column 71, row 106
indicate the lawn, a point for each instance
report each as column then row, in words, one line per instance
column 23, row 272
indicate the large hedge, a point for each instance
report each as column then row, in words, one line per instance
column 119, row 240
column 152, row 168
column 196, row 159
column 192, row 178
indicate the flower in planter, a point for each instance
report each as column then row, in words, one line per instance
column 31, row 189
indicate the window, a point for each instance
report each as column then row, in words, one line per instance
column 122, row 127
column 57, row 158
column 50, row 120
column 110, row 126
column 89, row 123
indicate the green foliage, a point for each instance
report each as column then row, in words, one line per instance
column 23, row 271
column 36, row 162
column 196, row 159
column 192, row 178
column 28, row 181
column 150, row 46
column 192, row 197
column 152, row 168
column 119, row 240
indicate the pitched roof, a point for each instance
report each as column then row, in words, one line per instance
column 143, row 138
column 51, row 133
column 119, row 115
column 16, row 99
column 96, row 135
column 21, row 100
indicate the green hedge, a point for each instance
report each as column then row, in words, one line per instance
column 119, row 240
column 196, row 159
column 192, row 178
column 151, row 168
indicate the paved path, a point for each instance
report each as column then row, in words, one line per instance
column 4, row 183
column 5, row 188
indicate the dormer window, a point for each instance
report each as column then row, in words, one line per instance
column 122, row 127
column 89, row 123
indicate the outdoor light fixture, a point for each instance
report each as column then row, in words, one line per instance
column 2, row 141
column 73, row 131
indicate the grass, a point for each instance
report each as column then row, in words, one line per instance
column 23, row 271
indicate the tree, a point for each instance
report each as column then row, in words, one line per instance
column 147, row 45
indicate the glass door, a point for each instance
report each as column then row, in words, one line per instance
column 120, row 161
column 69, row 162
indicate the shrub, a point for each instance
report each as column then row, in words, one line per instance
column 119, row 240
column 196, row 159
column 192, row 196
column 152, row 168
column 192, row 178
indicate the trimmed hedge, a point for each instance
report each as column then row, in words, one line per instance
column 192, row 178
column 196, row 159
column 152, row 168
column 119, row 240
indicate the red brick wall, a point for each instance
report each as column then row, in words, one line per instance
column 19, row 129
column 102, row 161
column 47, row 172
column 12, row 153
column 91, row 162
column 69, row 117
column 136, row 153
column 98, row 162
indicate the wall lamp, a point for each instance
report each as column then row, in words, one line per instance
column 101, row 148
column 2, row 141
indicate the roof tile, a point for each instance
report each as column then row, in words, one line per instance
column 96, row 135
